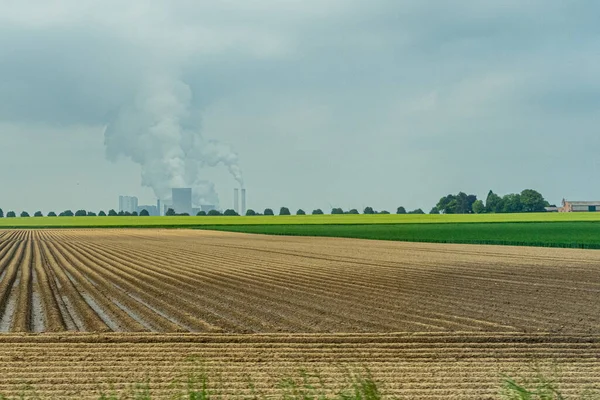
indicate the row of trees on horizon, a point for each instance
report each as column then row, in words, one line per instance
column 528, row 200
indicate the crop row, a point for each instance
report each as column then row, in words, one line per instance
column 80, row 366
column 194, row 281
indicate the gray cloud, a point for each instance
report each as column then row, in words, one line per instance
column 348, row 102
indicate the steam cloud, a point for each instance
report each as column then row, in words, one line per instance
column 160, row 132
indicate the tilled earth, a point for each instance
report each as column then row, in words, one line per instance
column 86, row 308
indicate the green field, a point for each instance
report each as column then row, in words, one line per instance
column 172, row 222
column 558, row 234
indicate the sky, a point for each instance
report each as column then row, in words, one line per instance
column 307, row 103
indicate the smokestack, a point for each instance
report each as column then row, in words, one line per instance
column 236, row 200
column 158, row 207
column 243, row 202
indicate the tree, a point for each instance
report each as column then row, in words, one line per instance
column 11, row 214
column 478, row 207
column 384, row 212
column 250, row 212
column 144, row 213
column 434, row 210
column 80, row 213
column 284, row 211
column 38, row 214
column 1, row 213
column 300, row 212
column 460, row 203
column 24, row 214
column 67, row 213
column 170, row 212
column 112, row 213
column 102, row 214
column 269, row 211
column 532, row 201
column 214, row 213
column 417, row 211
column 493, row 203
column 52, row 214
column 368, row 210
column 353, row 211
column 135, row 214
column 337, row 211
column 230, row 213
column 201, row 213
column 511, row 203
column 401, row 210
column 447, row 204
column 318, row 211
column 91, row 214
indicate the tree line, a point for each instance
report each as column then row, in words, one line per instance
column 528, row 200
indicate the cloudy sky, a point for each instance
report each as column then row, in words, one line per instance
column 319, row 103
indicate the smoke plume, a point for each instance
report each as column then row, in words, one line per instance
column 160, row 132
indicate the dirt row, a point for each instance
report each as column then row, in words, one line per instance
column 216, row 282
column 424, row 366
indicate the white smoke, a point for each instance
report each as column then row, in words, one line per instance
column 160, row 132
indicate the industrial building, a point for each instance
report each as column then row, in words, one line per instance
column 580, row 206
column 182, row 201
column 128, row 204
column 152, row 210
column 236, row 201
column 208, row 207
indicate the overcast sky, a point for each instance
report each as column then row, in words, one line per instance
column 320, row 103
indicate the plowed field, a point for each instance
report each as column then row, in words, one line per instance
column 267, row 306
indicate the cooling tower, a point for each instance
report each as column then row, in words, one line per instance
column 243, row 202
column 236, row 200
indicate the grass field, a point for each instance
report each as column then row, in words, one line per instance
column 584, row 235
column 167, row 222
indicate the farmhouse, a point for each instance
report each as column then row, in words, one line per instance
column 580, row 206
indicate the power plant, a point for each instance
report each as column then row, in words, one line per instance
column 182, row 201
column 236, row 201
column 243, row 202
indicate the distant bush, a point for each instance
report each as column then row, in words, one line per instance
column 284, row 211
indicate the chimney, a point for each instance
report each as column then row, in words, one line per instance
column 236, row 200
column 243, row 202
column 158, row 207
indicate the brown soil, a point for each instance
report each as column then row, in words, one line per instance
column 429, row 320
